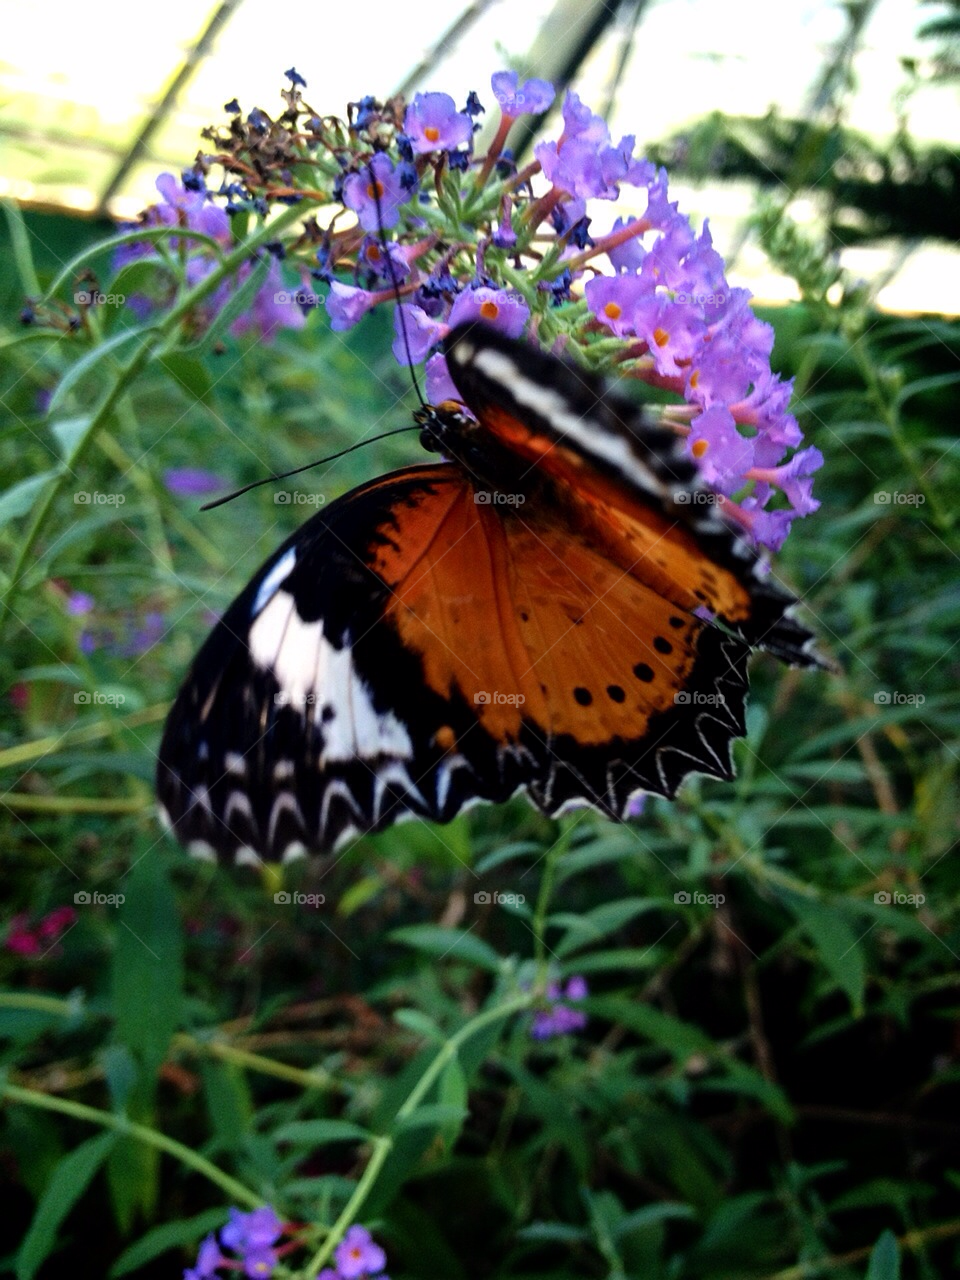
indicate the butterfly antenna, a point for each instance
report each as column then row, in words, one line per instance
column 283, row 475
column 392, row 273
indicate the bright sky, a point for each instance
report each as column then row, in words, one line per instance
column 77, row 80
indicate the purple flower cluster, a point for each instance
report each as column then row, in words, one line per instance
column 126, row 635
column 358, row 1257
column 684, row 328
column 558, row 1018
column 193, row 209
column 454, row 237
column 251, row 1239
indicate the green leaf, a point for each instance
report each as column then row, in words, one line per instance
column 837, row 945
column 68, row 431
column 72, row 1177
column 437, row 1115
column 885, row 1259
column 453, row 1093
column 20, row 497
column 506, row 853
column 228, row 1102
column 317, row 1133
column 186, row 1231
column 420, row 1023
column 678, row 1038
column 148, row 964
column 237, row 304
column 97, row 355
column 437, row 941
column 591, row 926
column 188, row 373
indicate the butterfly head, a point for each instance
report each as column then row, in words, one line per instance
column 448, row 429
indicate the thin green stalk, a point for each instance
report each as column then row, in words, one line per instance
column 383, row 1145
column 142, row 1133
column 154, row 341
column 891, row 417
column 551, row 858
column 25, row 752
column 910, row 1240
column 36, row 1003
column 24, row 803
column 227, row 1052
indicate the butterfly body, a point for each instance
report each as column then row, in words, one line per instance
column 544, row 610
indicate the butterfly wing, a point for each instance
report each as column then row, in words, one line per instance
column 410, row 649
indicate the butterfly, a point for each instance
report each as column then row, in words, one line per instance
column 556, row 607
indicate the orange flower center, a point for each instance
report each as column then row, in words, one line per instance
column 431, row 133
column 489, row 310
column 699, row 448
column 661, row 337
column 613, row 311
column 375, row 189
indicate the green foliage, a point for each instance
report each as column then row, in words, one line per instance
column 762, row 1087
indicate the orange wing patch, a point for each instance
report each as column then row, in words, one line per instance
column 653, row 545
column 530, row 623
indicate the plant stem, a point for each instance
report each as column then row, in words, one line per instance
column 910, row 1240
column 142, row 1133
column 153, row 343
column 383, row 1145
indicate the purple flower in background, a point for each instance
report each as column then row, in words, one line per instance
column 346, row 305
column 374, row 255
column 721, row 452
column 274, row 307
column 357, row 1255
column 584, row 162
column 422, row 333
column 251, row 1230
column 532, row 98
column 192, row 482
column 433, row 123
column 629, row 255
column 615, row 299
column 208, row 1259
column 795, row 479
column 559, row 1019
column 179, row 207
column 143, row 637
column 439, row 384
column 79, row 603
column 376, row 183
column 504, row 311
